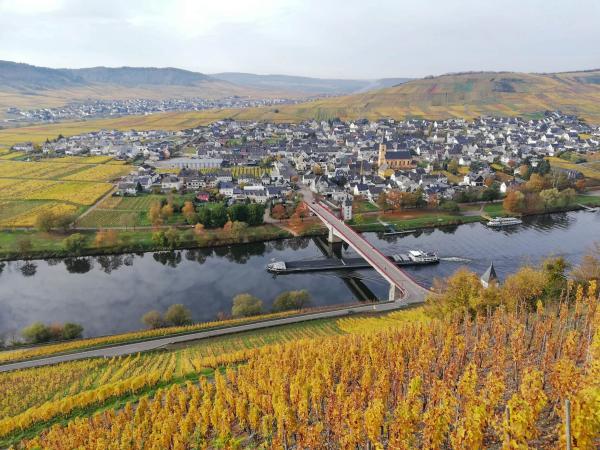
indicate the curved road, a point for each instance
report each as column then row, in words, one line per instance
column 128, row 349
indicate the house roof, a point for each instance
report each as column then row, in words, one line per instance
column 398, row 154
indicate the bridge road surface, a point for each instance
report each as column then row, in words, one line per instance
column 411, row 291
column 154, row 344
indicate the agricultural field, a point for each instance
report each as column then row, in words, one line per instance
column 84, row 159
column 238, row 171
column 401, row 380
column 39, row 170
column 589, row 171
column 117, row 211
column 101, row 172
column 24, row 213
column 106, row 218
column 139, row 203
column 12, row 155
column 64, row 191
column 65, row 184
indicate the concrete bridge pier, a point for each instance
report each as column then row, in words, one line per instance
column 394, row 293
column 332, row 237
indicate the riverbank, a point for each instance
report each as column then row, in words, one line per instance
column 21, row 244
column 24, row 244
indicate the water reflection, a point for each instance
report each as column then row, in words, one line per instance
column 110, row 293
column 28, row 269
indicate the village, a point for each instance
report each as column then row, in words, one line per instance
column 95, row 109
column 452, row 160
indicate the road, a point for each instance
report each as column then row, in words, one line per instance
column 154, row 344
column 411, row 291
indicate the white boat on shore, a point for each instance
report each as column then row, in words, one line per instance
column 498, row 222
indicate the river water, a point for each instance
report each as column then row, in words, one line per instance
column 109, row 294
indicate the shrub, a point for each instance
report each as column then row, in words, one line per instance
column 245, row 305
column 178, row 315
column 291, row 300
column 36, row 333
column 153, row 319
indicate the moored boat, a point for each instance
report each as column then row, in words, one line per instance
column 498, row 222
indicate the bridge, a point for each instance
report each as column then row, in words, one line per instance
column 402, row 286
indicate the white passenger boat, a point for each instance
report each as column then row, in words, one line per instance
column 498, row 222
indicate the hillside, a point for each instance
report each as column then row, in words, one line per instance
column 468, row 95
column 465, row 95
column 306, row 85
column 26, row 86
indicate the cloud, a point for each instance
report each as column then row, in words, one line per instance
column 332, row 38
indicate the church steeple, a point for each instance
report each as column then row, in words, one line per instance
column 382, row 151
column 489, row 276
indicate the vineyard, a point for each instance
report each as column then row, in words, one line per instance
column 237, row 171
column 401, row 380
column 65, row 347
column 24, row 213
column 102, row 172
column 58, row 185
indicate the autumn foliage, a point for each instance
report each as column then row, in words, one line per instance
column 497, row 380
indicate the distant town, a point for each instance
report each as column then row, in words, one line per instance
column 443, row 160
column 97, row 109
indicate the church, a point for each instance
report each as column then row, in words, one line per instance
column 390, row 161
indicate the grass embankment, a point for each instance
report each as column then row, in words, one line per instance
column 51, row 245
column 17, row 354
column 412, row 220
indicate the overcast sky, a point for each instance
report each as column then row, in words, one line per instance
column 325, row 38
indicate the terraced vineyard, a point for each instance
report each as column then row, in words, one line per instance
column 59, row 185
column 401, row 380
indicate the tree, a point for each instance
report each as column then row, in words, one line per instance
column 72, row 331
column 63, row 221
column 536, row 183
column 449, row 206
column 589, row 267
column 382, row 201
column 492, row 192
column 238, row 212
column 74, row 243
column 154, row 214
column 523, row 288
column 167, row 211
column 238, row 229
column 550, row 197
column 458, row 293
column 453, row 167
column 218, row 216
column 567, row 197
column 153, row 319
column 44, row 221
column 36, row 333
column 514, row 201
column 291, row 300
column 189, row 212
column 245, row 305
column 159, row 238
column 256, row 214
column 172, row 237
column 24, row 245
column 198, row 229
column 278, row 212
column 178, row 315
column 555, row 270
column 204, row 216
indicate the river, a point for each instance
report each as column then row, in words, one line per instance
column 109, row 294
